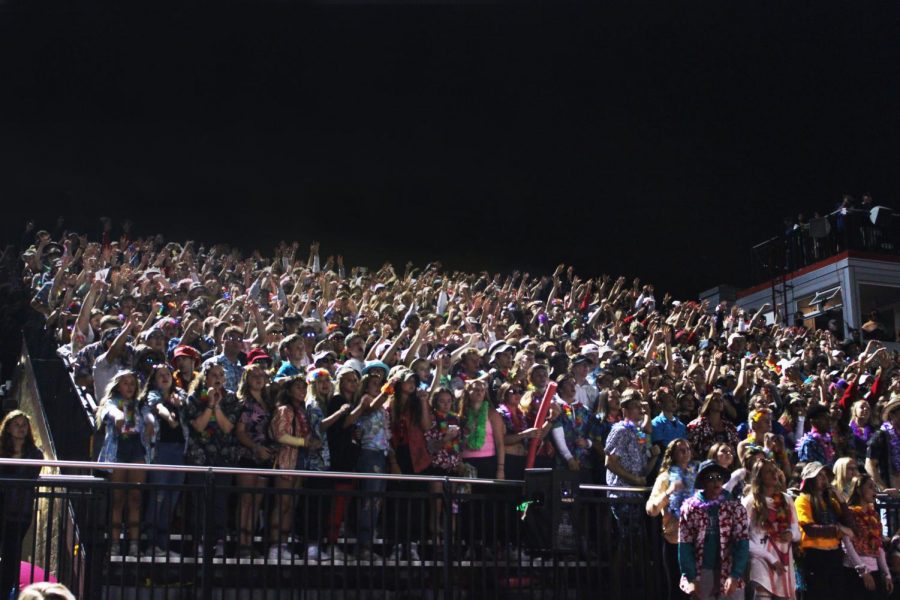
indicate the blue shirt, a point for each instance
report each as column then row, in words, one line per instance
column 287, row 370
column 664, row 430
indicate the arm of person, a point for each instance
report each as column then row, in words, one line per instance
column 292, row 440
column 613, row 464
column 659, row 497
column 326, row 423
column 686, row 561
column 226, row 424
column 118, row 345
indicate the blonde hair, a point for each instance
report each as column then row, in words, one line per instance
column 44, row 590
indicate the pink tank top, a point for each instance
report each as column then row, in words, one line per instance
column 487, row 448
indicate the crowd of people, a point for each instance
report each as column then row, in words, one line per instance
column 765, row 445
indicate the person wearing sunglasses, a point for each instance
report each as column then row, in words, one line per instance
column 713, row 538
column 516, row 431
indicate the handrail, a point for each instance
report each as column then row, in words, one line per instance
column 77, row 464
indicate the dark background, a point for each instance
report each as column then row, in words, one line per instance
column 654, row 141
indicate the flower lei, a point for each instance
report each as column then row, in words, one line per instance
column 895, row 445
column 778, row 517
column 863, row 434
column 443, row 423
column 824, row 442
column 641, row 435
column 475, row 437
column 703, row 504
column 869, row 528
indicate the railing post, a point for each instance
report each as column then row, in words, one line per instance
column 447, row 489
column 209, row 539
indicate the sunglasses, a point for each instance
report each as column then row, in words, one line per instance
column 515, row 392
column 715, row 477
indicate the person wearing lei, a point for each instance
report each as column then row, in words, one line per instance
column 883, row 451
column 861, row 427
column 820, row 515
column 773, row 529
column 713, row 539
column 570, row 431
column 816, row 445
column 868, row 575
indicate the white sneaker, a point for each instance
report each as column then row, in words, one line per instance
column 133, row 548
column 313, row 553
column 396, row 554
column 335, row 554
column 414, row 552
column 280, row 552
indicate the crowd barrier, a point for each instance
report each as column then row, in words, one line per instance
column 544, row 538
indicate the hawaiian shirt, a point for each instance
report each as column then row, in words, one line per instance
column 514, row 421
column 212, row 447
column 232, row 370
column 444, row 455
column 575, row 420
column 733, row 528
column 319, row 460
column 624, row 442
column 702, row 436
column 816, row 448
column 374, row 431
column 256, row 423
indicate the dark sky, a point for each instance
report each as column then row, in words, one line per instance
column 652, row 141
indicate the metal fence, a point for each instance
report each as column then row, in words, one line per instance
column 429, row 537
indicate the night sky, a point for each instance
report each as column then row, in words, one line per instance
column 656, row 141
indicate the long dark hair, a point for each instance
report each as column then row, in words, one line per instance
column 7, row 450
column 414, row 409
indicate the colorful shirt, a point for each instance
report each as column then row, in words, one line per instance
column 319, row 460
column 816, row 447
column 444, row 455
column 575, row 420
column 212, row 446
column 733, row 536
column 702, row 436
column 624, row 442
column 288, row 421
column 514, row 420
column 232, row 369
column 374, row 431
column 256, row 423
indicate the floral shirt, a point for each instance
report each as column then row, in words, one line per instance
column 702, row 436
column 623, row 441
column 733, row 536
column 814, row 446
column 232, row 370
column 153, row 399
column 212, row 446
column 374, row 431
column 514, row 420
column 256, row 423
column 319, row 460
column 288, row 421
column 575, row 420
column 444, row 455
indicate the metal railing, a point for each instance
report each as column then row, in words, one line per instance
column 407, row 536
column 822, row 238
